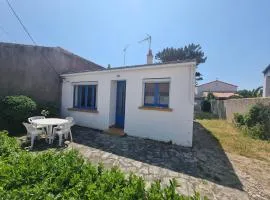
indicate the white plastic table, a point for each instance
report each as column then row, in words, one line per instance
column 49, row 123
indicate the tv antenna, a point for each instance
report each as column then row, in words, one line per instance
column 148, row 39
column 125, row 51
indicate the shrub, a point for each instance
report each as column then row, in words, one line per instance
column 15, row 110
column 255, row 123
column 206, row 106
column 66, row 175
column 238, row 119
column 8, row 144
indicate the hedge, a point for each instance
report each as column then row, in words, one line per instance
column 66, row 175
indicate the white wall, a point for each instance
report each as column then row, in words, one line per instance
column 215, row 86
column 266, row 86
column 176, row 126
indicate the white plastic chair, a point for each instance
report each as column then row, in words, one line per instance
column 62, row 130
column 70, row 120
column 30, row 120
column 71, row 123
column 32, row 132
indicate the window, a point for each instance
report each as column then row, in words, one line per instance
column 157, row 94
column 85, row 97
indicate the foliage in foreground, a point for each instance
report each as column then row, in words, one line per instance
column 66, row 175
column 255, row 123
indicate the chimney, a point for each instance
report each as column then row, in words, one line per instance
column 149, row 57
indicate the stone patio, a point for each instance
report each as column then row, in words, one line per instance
column 206, row 170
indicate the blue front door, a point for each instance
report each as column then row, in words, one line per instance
column 120, row 104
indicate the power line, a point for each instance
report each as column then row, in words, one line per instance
column 29, row 35
column 25, row 29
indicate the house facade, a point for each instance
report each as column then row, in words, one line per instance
column 266, row 86
column 220, row 89
column 154, row 101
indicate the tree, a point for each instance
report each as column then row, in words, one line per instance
column 251, row 93
column 191, row 51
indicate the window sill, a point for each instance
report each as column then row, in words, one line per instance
column 155, row 108
column 82, row 110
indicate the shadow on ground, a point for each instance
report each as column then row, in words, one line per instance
column 206, row 160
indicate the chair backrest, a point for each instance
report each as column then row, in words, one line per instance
column 64, row 127
column 29, row 127
column 30, row 119
column 70, row 120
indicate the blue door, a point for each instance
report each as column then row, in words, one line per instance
column 120, row 104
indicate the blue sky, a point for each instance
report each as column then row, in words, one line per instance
column 235, row 35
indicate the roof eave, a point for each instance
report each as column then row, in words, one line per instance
column 152, row 66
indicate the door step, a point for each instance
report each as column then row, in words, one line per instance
column 115, row 131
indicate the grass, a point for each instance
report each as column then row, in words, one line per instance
column 205, row 115
column 233, row 141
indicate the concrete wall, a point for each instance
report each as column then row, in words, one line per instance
column 215, row 86
column 266, row 87
column 176, row 126
column 225, row 109
column 25, row 69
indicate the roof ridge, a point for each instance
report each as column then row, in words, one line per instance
column 218, row 81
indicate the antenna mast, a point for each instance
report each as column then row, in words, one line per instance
column 125, row 51
column 148, row 39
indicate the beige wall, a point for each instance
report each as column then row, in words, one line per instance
column 227, row 108
column 266, row 91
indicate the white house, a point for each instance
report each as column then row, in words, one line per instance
column 153, row 101
column 266, row 87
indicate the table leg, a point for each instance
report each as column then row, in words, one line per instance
column 49, row 133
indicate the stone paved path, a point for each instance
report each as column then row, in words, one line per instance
column 205, row 168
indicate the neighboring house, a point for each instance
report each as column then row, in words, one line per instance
column 35, row 70
column 220, row 90
column 266, row 87
column 153, row 101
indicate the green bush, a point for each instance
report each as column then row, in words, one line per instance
column 255, row 123
column 8, row 145
column 15, row 110
column 206, row 106
column 66, row 175
column 238, row 119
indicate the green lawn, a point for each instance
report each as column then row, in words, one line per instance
column 233, row 141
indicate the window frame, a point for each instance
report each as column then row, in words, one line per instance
column 156, row 94
column 85, row 87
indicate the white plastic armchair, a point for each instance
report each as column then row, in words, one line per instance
column 62, row 130
column 32, row 132
column 30, row 120
column 71, row 121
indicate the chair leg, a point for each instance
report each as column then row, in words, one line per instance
column 32, row 141
column 66, row 135
column 71, row 139
column 60, row 139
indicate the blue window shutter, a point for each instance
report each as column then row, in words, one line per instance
column 86, row 95
column 93, row 96
column 156, row 94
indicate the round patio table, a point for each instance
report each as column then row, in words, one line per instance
column 49, row 123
